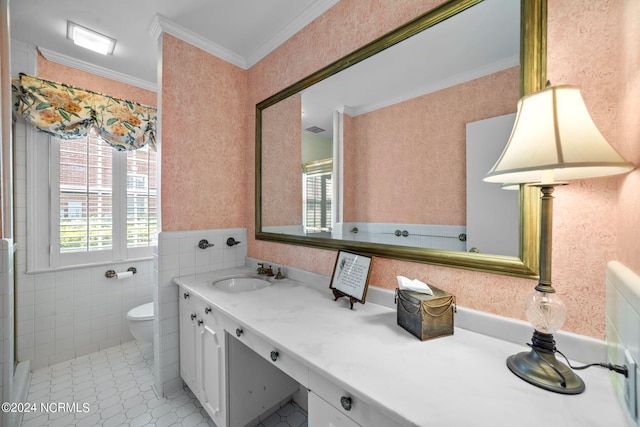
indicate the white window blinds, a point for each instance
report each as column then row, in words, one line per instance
column 318, row 193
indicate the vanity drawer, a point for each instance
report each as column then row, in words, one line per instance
column 347, row 403
column 200, row 306
column 273, row 354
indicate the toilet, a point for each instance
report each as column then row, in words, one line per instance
column 140, row 320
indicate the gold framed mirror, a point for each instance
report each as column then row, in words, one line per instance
column 273, row 182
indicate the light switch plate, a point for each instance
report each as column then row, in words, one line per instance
column 630, row 390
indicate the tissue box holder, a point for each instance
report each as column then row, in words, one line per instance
column 426, row 316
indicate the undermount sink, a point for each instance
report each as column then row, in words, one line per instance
column 240, row 284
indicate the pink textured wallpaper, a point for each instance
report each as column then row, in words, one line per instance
column 203, row 137
column 412, row 154
column 281, row 160
column 60, row 73
column 595, row 220
column 629, row 106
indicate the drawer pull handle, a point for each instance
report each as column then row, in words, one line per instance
column 193, row 317
column 185, row 295
column 274, row 355
column 200, row 322
column 239, row 331
column 207, row 310
column 346, row 403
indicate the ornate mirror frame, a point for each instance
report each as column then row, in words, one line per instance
column 532, row 78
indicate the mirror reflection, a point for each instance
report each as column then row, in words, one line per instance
column 403, row 120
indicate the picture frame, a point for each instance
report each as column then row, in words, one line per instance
column 350, row 276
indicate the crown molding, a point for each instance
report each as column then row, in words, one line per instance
column 62, row 59
column 453, row 80
column 161, row 24
column 302, row 20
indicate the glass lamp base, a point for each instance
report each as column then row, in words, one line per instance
column 541, row 368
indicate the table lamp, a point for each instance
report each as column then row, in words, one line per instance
column 553, row 139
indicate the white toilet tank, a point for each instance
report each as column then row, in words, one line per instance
column 140, row 321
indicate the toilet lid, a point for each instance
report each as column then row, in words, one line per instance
column 142, row 312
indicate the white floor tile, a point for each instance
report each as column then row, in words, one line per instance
column 115, row 385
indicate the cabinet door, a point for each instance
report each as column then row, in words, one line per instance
column 188, row 334
column 321, row 414
column 214, row 372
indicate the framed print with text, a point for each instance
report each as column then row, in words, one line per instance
column 351, row 276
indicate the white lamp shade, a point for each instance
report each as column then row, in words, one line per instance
column 555, row 139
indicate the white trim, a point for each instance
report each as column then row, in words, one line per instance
column 161, row 24
column 62, row 59
column 38, row 198
column 456, row 79
column 302, row 20
column 54, row 203
column 119, row 204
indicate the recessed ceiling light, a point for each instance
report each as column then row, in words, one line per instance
column 90, row 39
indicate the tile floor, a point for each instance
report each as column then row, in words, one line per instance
column 114, row 388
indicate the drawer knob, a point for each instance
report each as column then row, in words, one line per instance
column 207, row 310
column 274, row 355
column 239, row 331
column 200, row 322
column 193, row 317
column 345, row 401
column 185, row 295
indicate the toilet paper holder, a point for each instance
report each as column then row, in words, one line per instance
column 111, row 273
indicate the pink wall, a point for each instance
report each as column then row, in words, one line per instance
column 597, row 220
column 412, row 154
column 281, row 160
column 629, row 136
column 60, row 73
column 583, row 39
column 203, row 139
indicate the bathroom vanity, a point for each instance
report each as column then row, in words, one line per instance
column 242, row 353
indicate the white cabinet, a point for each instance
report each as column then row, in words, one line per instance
column 188, row 333
column 321, row 414
column 213, row 370
column 332, row 405
column 203, row 357
column 233, row 382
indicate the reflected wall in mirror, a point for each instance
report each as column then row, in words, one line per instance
column 281, row 177
column 397, row 122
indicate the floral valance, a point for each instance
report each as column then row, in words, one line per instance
column 69, row 112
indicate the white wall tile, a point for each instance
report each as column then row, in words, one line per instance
column 179, row 255
column 622, row 319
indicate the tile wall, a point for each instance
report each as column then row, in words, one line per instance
column 178, row 254
column 623, row 325
column 432, row 236
column 6, row 324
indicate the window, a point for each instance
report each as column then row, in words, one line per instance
column 317, row 192
column 103, row 202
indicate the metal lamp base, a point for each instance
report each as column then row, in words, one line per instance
column 541, row 368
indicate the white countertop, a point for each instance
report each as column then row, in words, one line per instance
column 458, row 380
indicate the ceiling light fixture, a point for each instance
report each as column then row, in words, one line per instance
column 90, row 39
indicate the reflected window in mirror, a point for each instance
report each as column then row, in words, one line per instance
column 318, row 196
